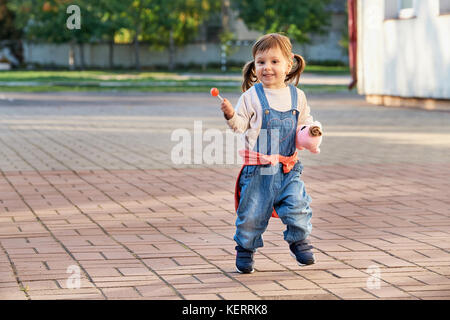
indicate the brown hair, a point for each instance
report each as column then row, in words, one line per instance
column 266, row 42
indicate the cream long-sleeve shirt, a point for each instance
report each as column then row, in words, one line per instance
column 248, row 113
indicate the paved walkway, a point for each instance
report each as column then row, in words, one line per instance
column 87, row 187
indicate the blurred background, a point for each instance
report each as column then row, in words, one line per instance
column 147, row 45
column 395, row 52
column 167, row 35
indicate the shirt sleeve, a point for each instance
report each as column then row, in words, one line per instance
column 243, row 113
column 304, row 118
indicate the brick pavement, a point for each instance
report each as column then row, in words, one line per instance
column 86, row 182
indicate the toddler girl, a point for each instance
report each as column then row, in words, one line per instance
column 269, row 112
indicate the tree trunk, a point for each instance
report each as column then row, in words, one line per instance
column 137, row 31
column 30, row 54
column 111, row 53
column 72, row 55
column 203, row 37
column 82, row 62
column 226, row 15
column 171, row 52
column 136, row 53
column 225, row 31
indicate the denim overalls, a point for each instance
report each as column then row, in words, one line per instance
column 266, row 187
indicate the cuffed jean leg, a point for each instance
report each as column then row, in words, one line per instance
column 249, row 229
column 254, row 210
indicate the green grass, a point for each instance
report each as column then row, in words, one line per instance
column 85, row 76
column 92, row 80
column 131, row 75
column 330, row 70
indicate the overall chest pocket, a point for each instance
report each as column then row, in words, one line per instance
column 285, row 127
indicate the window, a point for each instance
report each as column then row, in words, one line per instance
column 444, row 6
column 406, row 9
column 404, row 4
column 400, row 9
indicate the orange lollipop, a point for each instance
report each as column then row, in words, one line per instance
column 215, row 93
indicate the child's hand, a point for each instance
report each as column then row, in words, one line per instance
column 227, row 109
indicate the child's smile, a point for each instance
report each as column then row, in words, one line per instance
column 271, row 68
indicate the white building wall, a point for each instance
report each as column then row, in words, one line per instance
column 403, row 57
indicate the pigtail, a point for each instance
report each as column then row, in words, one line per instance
column 299, row 66
column 249, row 75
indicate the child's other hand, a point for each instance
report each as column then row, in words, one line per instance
column 227, row 109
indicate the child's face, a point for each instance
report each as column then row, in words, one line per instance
column 271, row 68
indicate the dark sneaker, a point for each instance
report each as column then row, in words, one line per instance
column 301, row 251
column 244, row 260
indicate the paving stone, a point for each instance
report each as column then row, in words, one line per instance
column 351, row 293
column 96, row 187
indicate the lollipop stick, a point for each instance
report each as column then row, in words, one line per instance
column 221, row 99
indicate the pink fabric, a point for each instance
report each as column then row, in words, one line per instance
column 256, row 158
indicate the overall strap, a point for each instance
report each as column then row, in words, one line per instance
column 262, row 96
column 294, row 99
